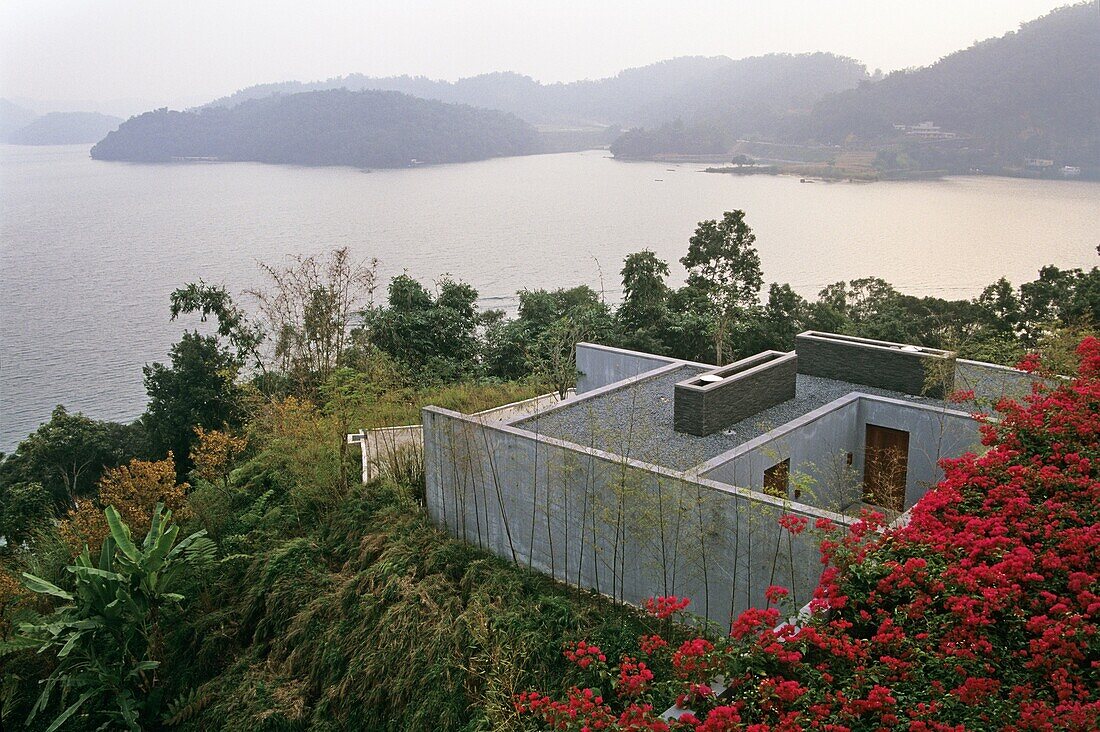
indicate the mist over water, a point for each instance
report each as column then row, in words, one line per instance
column 89, row 251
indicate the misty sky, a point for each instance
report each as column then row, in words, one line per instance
column 187, row 52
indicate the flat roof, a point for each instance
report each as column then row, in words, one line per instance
column 636, row 419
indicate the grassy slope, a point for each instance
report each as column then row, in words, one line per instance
column 376, row 620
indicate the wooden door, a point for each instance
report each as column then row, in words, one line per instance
column 885, row 465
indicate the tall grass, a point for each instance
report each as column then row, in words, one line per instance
column 377, row 620
column 403, row 406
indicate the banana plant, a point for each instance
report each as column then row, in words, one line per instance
column 103, row 632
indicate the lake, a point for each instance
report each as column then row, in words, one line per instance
column 90, row 250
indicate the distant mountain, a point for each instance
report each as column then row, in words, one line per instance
column 645, row 95
column 1031, row 93
column 373, row 129
column 65, row 128
column 12, row 118
column 754, row 96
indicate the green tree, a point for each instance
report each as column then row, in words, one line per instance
column 645, row 300
column 783, row 317
column 106, row 635
column 244, row 335
column 24, row 507
column 309, row 308
column 68, row 454
column 198, row 390
column 435, row 337
column 1000, row 305
column 723, row 263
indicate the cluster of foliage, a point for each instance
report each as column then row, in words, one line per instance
column 133, row 491
column 980, row 613
column 369, row 129
column 720, row 314
column 105, row 636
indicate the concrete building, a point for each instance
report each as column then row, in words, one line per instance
column 664, row 476
column 926, row 130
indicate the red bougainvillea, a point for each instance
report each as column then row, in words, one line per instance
column 981, row 613
column 666, row 607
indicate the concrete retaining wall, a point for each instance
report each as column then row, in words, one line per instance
column 818, row 445
column 934, row 433
column 748, row 387
column 600, row 366
column 992, row 382
column 881, row 364
column 624, row 528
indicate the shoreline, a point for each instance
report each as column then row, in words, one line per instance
column 860, row 174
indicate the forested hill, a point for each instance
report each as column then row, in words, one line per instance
column 646, row 95
column 1034, row 92
column 372, row 129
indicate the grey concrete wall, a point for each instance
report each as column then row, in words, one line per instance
column 817, row 445
column 623, row 528
column 934, row 433
column 749, row 386
column 874, row 363
column 600, row 366
column 991, row 382
column 382, row 444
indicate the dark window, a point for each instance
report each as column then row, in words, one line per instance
column 777, row 477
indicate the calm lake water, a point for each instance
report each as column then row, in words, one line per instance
column 90, row 250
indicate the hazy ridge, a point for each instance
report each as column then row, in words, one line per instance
column 642, row 95
column 331, row 127
column 1032, row 93
column 1028, row 95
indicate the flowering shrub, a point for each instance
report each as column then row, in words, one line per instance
column 979, row 614
column 666, row 607
column 584, row 654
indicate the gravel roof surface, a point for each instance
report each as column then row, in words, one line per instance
column 636, row 421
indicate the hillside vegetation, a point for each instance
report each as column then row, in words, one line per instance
column 1028, row 94
column 369, row 129
column 303, row 600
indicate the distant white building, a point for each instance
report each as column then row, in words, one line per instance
column 1071, row 171
column 1038, row 163
column 926, row 130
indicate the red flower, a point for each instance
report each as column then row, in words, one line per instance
column 665, row 607
column 634, row 677
column 583, row 654
column 794, row 524
column 775, row 593
column 650, row 644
